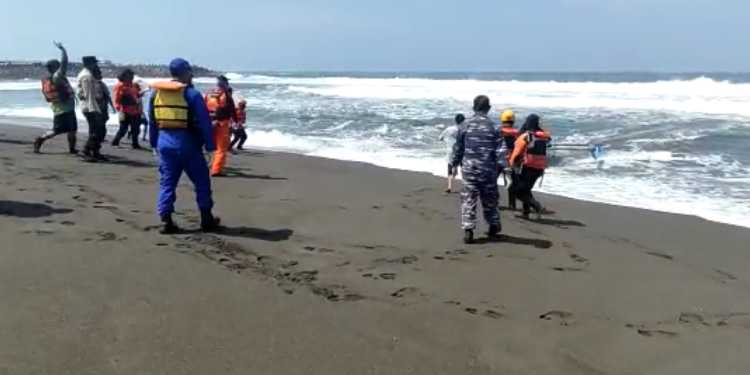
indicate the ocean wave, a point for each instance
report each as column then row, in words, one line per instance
column 43, row 113
column 670, row 194
column 698, row 96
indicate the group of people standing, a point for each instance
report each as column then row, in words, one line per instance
column 95, row 103
column 485, row 152
column 181, row 122
column 127, row 101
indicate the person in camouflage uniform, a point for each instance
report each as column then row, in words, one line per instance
column 478, row 152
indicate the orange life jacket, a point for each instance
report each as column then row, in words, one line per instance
column 509, row 136
column 54, row 94
column 536, row 149
column 217, row 104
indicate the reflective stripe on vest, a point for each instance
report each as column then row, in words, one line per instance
column 536, row 150
column 170, row 107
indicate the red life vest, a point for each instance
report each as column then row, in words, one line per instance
column 536, row 149
column 54, row 94
column 126, row 98
column 241, row 116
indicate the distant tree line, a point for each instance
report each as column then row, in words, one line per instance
column 36, row 70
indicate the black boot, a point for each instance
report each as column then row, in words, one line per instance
column 169, row 226
column 539, row 211
column 38, row 145
column 209, row 223
column 494, row 230
column 468, row 236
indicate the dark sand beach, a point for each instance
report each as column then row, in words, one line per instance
column 331, row 267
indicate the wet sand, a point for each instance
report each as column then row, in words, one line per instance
column 331, row 267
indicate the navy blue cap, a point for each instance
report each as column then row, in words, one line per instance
column 179, row 66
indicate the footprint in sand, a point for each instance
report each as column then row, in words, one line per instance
column 304, row 276
column 568, row 269
column 290, row 264
column 318, row 249
column 106, row 236
column 40, row 232
column 492, row 314
column 656, row 333
column 457, row 252
column 691, row 319
column 330, row 293
column 724, row 276
column 406, row 292
column 660, row 255
column 563, row 317
column 409, row 259
column 471, row 310
column 578, row 259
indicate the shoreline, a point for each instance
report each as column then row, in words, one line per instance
column 333, row 267
column 38, row 123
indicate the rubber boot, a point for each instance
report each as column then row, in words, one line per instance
column 169, row 226
column 494, row 231
column 72, row 146
column 38, row 145
column 468, row 236
column 209, row 223
column 512, row 201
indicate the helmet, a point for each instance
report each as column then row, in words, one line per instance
column 508, row 116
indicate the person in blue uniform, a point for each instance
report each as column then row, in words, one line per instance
column 179, row 129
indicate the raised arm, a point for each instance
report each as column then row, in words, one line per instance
column 63, row 59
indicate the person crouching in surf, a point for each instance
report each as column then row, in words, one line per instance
column 529, row 160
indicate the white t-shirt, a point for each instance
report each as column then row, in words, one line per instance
column 449, row 136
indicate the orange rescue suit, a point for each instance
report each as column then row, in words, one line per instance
column 533, row 147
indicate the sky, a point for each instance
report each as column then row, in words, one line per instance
column 390, row 35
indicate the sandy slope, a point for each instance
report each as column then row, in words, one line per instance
column 331, row 267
